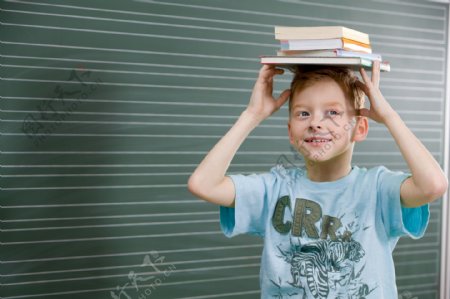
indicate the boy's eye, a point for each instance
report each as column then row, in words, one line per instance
column 302, row 113
column 332, row 113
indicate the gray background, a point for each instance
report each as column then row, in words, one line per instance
column 108, row 106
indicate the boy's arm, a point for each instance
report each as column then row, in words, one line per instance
column 428, row 181
column 208, row 181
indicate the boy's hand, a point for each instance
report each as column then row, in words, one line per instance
column 262, row 103
column 380, row 109
column 428, row 182
column 209, row 180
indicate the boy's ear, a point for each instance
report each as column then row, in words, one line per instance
column 291, row 139
column 361, row 129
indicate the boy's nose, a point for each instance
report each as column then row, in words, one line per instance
column 315, row 123
column 315, row 127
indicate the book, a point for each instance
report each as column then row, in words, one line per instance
column 353, row 62
column 320, row 32
column 323, row 44
column 329, row 53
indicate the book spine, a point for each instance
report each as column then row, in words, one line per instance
column 286, row 46
column 352, row 41
column 311, row 53
column 329, row 53
column 356, row 48
column 311, row 44
column 343, row 53
column 384, row 65
column 302, row 42
column 282, row 34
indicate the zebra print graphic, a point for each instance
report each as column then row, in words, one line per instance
column 324, row 265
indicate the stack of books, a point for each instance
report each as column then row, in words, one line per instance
column 327, row 45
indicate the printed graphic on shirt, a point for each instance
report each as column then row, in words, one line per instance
column 330, row 263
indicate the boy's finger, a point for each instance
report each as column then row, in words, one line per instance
column 364, row 75
column 267, row 72
column 362, row 86
column 279, row 71
column 274, row 72
column 284, row 96
column 376, row 73
column 266, row 68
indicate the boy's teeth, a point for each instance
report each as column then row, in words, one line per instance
column 317, row 140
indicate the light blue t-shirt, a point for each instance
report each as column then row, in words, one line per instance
column 324, row 239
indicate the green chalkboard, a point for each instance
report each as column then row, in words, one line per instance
column 108, row 106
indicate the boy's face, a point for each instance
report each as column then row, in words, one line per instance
column 322, row 122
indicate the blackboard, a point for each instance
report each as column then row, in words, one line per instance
column 108, row 106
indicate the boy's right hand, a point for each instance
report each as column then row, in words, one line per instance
column 209, row 180
column 262, row 102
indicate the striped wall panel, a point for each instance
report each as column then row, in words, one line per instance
column 108, row 106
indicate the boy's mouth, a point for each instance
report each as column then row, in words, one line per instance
column 317, row 140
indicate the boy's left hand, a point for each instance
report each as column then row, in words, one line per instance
column 380, row 109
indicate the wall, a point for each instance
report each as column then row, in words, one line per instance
column 108, row 106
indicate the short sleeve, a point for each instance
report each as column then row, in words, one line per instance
column 249, row 215
column 398, row 220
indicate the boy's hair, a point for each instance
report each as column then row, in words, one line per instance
column 306, row 76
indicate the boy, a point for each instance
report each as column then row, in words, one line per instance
column 329, row 228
